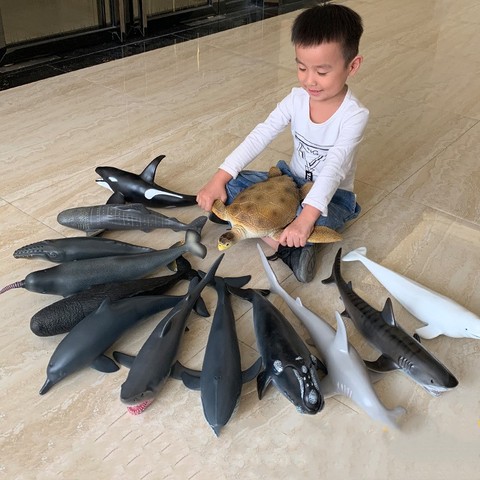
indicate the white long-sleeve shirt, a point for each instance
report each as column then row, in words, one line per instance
column 323, row 152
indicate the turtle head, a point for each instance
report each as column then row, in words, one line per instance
column 227, row 240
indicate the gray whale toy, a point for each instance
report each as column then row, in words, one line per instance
column 399, row 351
column 59, row 250
column 130, row 187
column 347, row 373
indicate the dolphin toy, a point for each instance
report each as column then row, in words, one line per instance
column 61, row 316
column 441, row 315
column 399, row 351
column 61, row 250
column 347, row 373
column 157, row 358
column 135, row 216
column 88, row 340
column 286, row 359
column 73, row 277
column 129, row 187
column 220, row 381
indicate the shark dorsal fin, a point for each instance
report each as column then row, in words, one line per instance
column 299, row 301
column 341, row 340
column 387, row 313
column 148, row 173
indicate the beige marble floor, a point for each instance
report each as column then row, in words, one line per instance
column 418, row 182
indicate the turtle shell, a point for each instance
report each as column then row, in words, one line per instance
column 266, row 206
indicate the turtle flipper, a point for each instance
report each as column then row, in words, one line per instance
column 219, row 209
column 324, row 235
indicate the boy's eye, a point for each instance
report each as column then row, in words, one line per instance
column 322, row 74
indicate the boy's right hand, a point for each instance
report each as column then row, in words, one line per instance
column 214, row 189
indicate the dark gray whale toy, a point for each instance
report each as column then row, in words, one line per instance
column 61, row 316
column 221, row 379
column 287, row 361
column 399, row 351
column 135, row 216
column 157, row 358
column 87, row 342
column 72, row 277
column 130, row 187
column 61, row 250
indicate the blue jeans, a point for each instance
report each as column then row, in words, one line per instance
column 342, row 208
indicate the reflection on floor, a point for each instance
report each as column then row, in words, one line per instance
column 193, row 102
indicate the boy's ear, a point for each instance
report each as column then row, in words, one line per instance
column 354, row 65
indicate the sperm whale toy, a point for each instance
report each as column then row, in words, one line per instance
column 132, row 188
column 347, row 373
column 440, row 314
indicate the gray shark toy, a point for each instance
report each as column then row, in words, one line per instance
column 347, row 373
column 157, row 359
column 130, row 187
column 59, row 250
column 220, row 381
column 135, row 216
column 87, row 342
column 286, row 359
column 399, row 351
column 72, row 277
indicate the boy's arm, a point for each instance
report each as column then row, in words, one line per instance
column 297, row 232
column 214, row 189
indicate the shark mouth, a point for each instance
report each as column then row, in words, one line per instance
column 435, row 390
column 140, row 408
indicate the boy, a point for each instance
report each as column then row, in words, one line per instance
column 327, row 124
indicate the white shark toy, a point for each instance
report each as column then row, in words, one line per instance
column 441, row 315
column 347, row 373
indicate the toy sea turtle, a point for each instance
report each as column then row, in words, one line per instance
column 265, row 209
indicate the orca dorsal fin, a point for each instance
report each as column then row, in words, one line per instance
column 148, row 174
column 387, row 313
column 341, row 341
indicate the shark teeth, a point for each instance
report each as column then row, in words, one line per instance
column 140, row 408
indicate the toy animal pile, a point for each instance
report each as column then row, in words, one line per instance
column 106, row 294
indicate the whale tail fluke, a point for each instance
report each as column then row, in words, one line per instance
column 20, row 284
column 193, row 245
column 356, row 254
column 197, row 224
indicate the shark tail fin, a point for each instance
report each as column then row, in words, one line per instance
column 192, row 242
column 355, row 254
column 198, row 224
column 272, row 278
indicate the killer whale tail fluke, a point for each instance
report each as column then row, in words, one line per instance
column 198, row 224
column 20, row 284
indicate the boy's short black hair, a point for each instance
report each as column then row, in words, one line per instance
column 329, row 23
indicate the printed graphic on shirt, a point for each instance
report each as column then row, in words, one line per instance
column 311, row 154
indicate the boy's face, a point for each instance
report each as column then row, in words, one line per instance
column 322, row 72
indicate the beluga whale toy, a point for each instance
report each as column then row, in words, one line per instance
column 347, row 373
column 440, row 314
column 133, row 188
column 399, row 351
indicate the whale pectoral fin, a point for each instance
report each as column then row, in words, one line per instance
column 104, row 364
column 116, row 199
column 189, row 377
column 263, row 380
column 124, row 359
column 250, row 373
column 428, row 332
column 382, row 364
column 94, row 233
